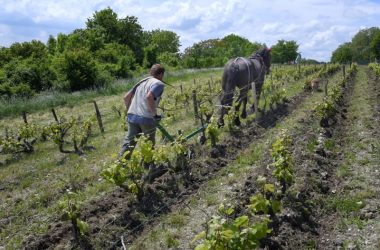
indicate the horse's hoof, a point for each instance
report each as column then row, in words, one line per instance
column 237, row 121
column 220, row 123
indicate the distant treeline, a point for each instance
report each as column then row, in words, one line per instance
column 111, row 47
column 363, row 48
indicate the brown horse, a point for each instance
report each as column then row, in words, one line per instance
column 241, row 72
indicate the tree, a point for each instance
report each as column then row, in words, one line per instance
column 363, row 48
column 150, row 56
column 76, row 70
column 85, row 39
column 360, row 45
column 125, row 31
column 375, row 46
column 284, row 51
column 117, row 59
column 61, row 42
column 343, row 54
column 106, row 23
column 167, row 58
column 51, row 45
column 34, row 72
column 131, row 34
column 5, row 56
column 192, row 56
column 238, row 46
column 35, row 49
column 165, row 41
column 216, row 52
column 161, row 46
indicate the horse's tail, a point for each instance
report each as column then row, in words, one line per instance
column 229, row 78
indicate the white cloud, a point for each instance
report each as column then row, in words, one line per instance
column 272, row 27
column 319, row 26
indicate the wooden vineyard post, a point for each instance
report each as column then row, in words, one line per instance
column 181, row 89
column 195, row 105
column 98, row 117
column 24, row 117
column 327, row 82
column 209, row 86
column 55, row 115
column 202, row 122
column 344, row 71
column 253, row 84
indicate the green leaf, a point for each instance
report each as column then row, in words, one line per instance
column 82, row 226
column 199, row 236
column 228, row 234
column 276, row 206
column 269, row 188
column 241, row 221
column 204, row 246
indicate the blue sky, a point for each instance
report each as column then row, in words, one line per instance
column 318, row 26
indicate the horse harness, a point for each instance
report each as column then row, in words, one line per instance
column 260, row 59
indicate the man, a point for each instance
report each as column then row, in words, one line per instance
column 142, row 102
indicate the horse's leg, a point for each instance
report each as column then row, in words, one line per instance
column 258, row 92
column 226, row 103
column 241, row 100
column 244, row 99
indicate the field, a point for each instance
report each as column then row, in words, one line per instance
column 302, row 174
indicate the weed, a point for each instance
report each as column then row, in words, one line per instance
column 177, row 220
column 343, row 171
column 211, row 200
column 311, row 244
column 330, row 144
column 312, row 144
column 170, row 240
column 344, row 205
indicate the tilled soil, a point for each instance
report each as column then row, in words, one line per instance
column 117, row 213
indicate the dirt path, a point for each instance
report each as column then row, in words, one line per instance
column 355, row 219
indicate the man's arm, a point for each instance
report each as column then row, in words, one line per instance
column 151, row 105
column 128, row 99
column 155, row 92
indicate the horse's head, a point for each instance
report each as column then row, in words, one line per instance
column 265, row 54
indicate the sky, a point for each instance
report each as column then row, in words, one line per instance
column 318, row 26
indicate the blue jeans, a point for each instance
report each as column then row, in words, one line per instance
column 134, row 131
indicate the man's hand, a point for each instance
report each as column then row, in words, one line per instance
column 157, row 117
